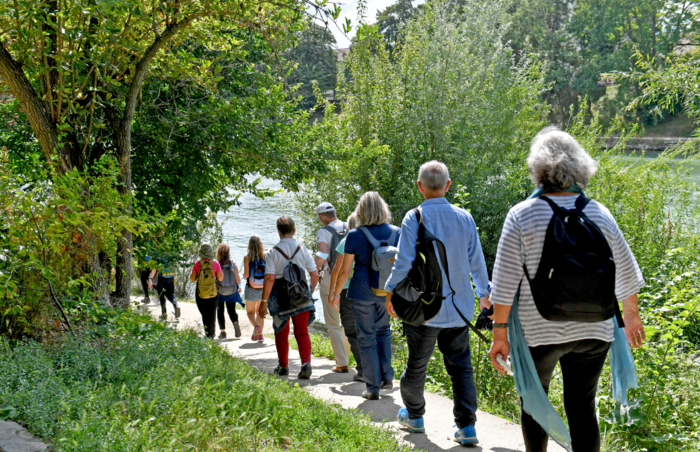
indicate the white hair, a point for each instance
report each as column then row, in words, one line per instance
column 558, row 161
column 434, row 175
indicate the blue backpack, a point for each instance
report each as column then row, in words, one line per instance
column 256, row 280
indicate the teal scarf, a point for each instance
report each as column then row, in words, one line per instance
column 527, row 382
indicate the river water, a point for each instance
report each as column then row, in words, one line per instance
column 256, row 216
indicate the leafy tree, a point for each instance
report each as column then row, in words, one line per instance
column 77, row 67
column 392, row 19
column 315, row 60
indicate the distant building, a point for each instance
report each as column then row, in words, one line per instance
column 342, row 53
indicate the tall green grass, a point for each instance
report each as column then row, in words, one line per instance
column 147, row 387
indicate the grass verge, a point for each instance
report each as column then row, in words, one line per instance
column 133, row 384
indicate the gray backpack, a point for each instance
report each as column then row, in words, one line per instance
column 383, row 259
column 336, row 237
column 228, row 286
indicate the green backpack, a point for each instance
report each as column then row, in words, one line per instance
column 206, row 282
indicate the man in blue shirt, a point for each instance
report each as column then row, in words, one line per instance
column 456, row 229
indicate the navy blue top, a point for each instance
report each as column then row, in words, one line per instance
column 356, row 243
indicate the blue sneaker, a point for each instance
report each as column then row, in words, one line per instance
column 466, row 436
column 413, row 425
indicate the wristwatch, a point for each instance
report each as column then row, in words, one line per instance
column 500, row 325
column 262, row 300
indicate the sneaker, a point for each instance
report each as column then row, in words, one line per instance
column 281, row 371
column 222, row 335
column 358, row 377
column 237, row 328
column 261, row 338
column 387, row 384
column 254, row 337
column 177, row 312
column 466, row 436
column 412, row 425
column 305, row 373
column 146, row 300
column 370, row 395
column 340, row 369
column 164, row 316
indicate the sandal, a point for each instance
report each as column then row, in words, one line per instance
column 255, row 335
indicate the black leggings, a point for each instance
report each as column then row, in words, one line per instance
column 581, row 364
column 232, row 314
column 207, row 307
column 144, row 275
column 166, row 288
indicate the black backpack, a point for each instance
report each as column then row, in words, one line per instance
column 336, row 237
column 293, row 289
column 418, row 298
column 575, row 280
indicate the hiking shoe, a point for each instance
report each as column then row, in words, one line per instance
column 466, row 436
column 281, row 371
column 387, row 384
column 222, row 335
column 237, row 328
column 370, row 395
column 146, row 300
column 305, row 372
column 358, row 377
column 164, row 316
column 254, row 337
column 177, row 312
column 412, row 425
column 340, row 369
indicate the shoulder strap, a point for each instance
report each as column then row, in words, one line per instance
column 555, row 207
column 284, row 255
column 295, row 252
column 421, row 225
column 581, row 203
column 392, row 238
column 370, row 238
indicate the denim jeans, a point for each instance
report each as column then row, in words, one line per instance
column 454, row 345
column 374, row 341
column 581, row 363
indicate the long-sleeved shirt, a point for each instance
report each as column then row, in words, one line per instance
column 522, row 242
column 456, row 229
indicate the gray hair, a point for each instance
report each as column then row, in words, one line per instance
column 372, row 209
column 434, row 175
column 352, row 221
column 557, row 160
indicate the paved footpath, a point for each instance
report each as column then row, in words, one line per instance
column 495, row 434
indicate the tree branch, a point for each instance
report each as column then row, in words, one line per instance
column 35, row 109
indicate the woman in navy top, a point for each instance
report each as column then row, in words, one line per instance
column 371, row 316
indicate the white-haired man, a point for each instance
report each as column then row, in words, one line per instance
column 327, row 239
column 456, row 229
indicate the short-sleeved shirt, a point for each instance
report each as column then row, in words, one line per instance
column 522, row 242
column 216, row 267
column 275, row 262
column 356, row 243
column 341, row 250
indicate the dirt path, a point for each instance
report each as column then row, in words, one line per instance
column 495, row 434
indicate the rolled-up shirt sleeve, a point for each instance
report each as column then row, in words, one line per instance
column 477, row 263
column 407, row 251
column 508, row 268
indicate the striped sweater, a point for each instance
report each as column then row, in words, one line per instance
column 522, row 241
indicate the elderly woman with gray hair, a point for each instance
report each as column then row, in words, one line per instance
column 561, row 168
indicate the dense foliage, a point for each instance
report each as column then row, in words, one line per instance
column 132, row 384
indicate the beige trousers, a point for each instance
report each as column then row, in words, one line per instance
column 340, row 344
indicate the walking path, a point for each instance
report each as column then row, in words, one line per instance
column 495, row 434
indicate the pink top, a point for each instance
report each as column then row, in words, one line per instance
column 216, row 267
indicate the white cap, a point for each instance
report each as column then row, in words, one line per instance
column 325, row 207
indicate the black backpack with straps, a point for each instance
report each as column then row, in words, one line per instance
column 293, row 289
column 575, row 279
column 336, row 237
column 418, row 298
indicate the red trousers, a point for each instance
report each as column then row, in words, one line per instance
column 301, row 334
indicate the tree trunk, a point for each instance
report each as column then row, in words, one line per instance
column 125, row 244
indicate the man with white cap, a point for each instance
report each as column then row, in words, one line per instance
column 327, row 239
